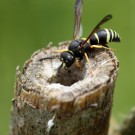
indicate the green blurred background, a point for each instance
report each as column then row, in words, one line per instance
column 28, row 25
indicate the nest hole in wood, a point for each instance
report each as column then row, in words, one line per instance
column 47, row 72
column 69, row 76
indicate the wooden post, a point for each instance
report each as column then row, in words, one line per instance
column 48, row 101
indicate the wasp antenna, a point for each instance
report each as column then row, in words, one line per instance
column 46, row 58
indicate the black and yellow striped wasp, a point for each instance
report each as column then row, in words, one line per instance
column 81, row 47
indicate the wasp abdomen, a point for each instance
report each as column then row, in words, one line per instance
column 114, row 36
column 104, row 36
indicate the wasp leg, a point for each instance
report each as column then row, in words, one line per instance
column 77, row 62
column 86, row 56
column 60, row 51
column 100, row 46
column 88, row 60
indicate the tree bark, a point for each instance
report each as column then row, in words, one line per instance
column 48, row 101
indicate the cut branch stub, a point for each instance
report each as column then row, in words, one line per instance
column 49, row 101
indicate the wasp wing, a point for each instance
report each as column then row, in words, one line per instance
column 78, row 13
column 104, row 20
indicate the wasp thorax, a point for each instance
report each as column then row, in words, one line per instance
column 75, row 47
column 67, row 58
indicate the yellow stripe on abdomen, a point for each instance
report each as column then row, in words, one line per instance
column 108, row 35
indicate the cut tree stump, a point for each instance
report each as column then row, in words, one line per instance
column 48, row 101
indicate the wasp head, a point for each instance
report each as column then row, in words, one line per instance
column 68, row 58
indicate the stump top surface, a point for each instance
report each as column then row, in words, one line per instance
column 66, row 86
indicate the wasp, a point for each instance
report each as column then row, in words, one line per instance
column 80, row 47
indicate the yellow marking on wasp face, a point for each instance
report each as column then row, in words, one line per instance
column 64, row 66
column 108, row 35
column 96, row 37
